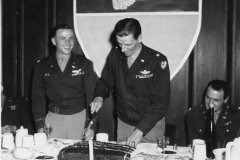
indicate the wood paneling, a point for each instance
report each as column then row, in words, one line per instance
column 64, row 14
column 26, row 27
column 235, row 70
column 179, row 103
column 10, row 45
column 210, row 58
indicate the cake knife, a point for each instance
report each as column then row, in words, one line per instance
column 92, row 120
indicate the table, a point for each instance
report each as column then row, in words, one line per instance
column 152, row 149
column 52, row 148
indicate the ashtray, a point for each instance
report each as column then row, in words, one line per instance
column 166, row 151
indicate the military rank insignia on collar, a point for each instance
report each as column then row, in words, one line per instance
column 163, row 64
column 13, row 107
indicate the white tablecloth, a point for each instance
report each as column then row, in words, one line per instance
column 52, row 148
column 152, row 150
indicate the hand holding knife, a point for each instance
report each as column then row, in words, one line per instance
column 95, row 106
column 92, row 120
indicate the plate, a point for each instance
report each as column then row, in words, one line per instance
column 23, row 153
column 5, row 152
column 50, row 148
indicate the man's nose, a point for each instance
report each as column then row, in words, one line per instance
column 67, row 42
column 123, row 49
column 211, row 103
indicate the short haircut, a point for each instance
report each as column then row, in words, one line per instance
column 219, row 85
column 128, row 26
column 60, row 26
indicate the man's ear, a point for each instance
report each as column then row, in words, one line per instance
column 140, row 38
column 53, row 41
column 225, row 101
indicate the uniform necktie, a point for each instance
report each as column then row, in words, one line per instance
column 61, row 64
column 130, row 61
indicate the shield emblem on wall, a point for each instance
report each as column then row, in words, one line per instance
column 170, row 27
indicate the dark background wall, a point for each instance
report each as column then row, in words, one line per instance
column 26, row 26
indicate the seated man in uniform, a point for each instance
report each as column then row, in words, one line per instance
column 226, row 116
column 15, row 113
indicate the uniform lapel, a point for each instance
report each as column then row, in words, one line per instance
column 123, row 62
column 223, row 116
column 137, row 65
column 140, row 62
column 68, row 68
column 53, row 65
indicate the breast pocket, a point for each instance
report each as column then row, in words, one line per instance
column 76, row 79
column 51, row 83
column 144, row 84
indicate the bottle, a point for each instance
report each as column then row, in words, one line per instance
column 19, row 135
column 211, row 133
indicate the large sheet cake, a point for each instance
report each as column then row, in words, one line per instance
column 101, row 151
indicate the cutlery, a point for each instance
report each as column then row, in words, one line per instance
column 56, row 140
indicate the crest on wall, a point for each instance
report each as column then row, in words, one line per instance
column 168, row 26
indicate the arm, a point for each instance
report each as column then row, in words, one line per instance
column 89, row 83
column 38, row 98
column 192, row 132
column 103, row 86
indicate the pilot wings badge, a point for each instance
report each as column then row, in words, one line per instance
column 145, row 72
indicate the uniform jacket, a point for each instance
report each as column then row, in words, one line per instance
column 227, row 125
column 16, row 112
column 142, row 91
column 67, row 92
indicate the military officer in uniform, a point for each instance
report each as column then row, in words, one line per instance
column 226, row 116
column 66, row 81
column 15, row 112
column 140, row 78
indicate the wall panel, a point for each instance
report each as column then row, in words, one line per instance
column 35, row 32
column 179, row 103
column 236, row 54
column 10, row 45
column 210, row 57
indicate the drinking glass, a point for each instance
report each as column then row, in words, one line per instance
column 163, row 142
column 48, row 130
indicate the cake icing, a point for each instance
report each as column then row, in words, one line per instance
column 101, row 151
